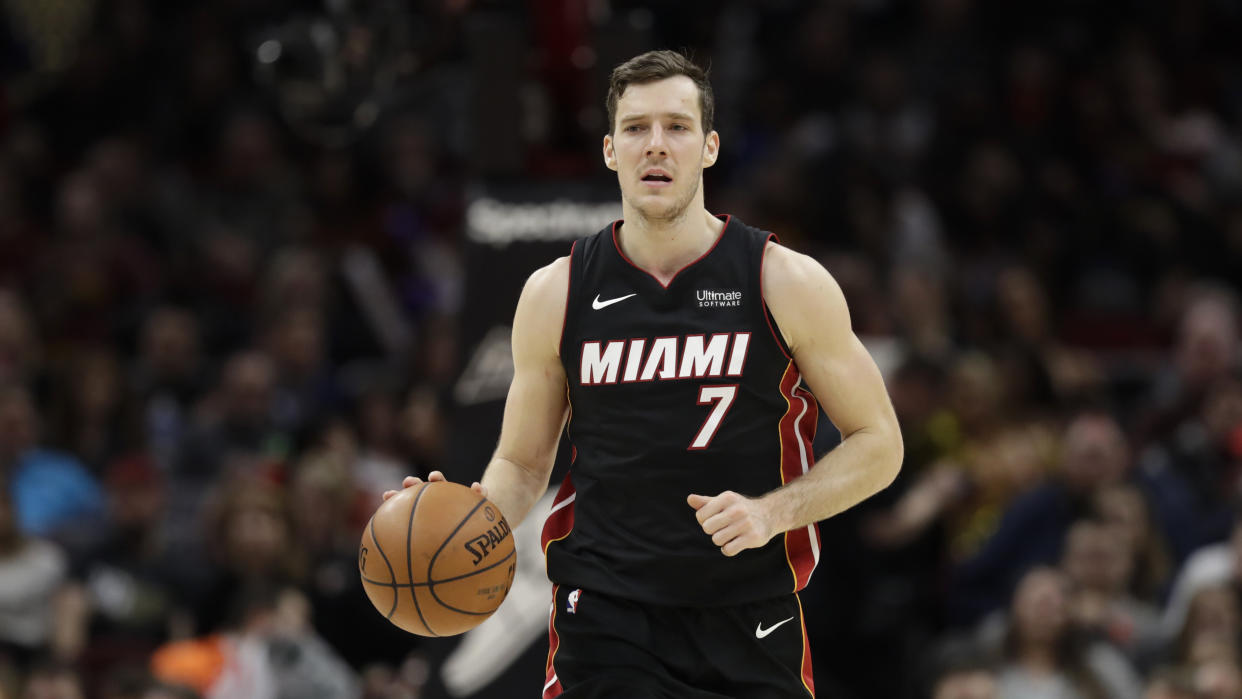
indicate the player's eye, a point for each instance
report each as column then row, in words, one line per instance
column 633, row 128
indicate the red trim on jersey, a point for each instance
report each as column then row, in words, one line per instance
column 615, row 244
column 552, row 684
column 560, row 520
column 808, row 674
column 569, row 284
column 767, row 314
column 569, row 423
column 797, row 430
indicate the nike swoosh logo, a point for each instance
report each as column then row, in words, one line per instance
column 597, row 304
column 761, row 632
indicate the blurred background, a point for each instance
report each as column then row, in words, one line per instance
column 258, row 260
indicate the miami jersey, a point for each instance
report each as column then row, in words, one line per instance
column 677, row 389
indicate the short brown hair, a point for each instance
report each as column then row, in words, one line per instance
column 658, row 65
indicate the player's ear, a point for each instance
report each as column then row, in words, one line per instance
column 610, row 154
column 711, row 149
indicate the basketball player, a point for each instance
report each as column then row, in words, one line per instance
column 686, row 355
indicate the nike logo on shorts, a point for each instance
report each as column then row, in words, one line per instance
column 761, row 632
column 597, row 304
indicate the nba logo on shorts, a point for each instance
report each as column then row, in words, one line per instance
column 572, row 607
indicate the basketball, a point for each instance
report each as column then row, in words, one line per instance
column 437, row 559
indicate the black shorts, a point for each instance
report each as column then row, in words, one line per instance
column 604, row 647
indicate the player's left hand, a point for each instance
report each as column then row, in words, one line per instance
column 735, row 522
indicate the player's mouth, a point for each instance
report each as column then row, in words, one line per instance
column 656, row 177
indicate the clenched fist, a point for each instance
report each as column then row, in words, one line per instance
column 734, row 522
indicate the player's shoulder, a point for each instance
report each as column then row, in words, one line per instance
column 806, row 302
column 788, row 269
column 549, row 281
column 541, row 310
column 798, row 289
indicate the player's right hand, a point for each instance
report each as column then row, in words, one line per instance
column 434, row 476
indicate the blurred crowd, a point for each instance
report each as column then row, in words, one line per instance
column 226, row 329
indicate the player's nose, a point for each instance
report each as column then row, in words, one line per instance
column 655, row 141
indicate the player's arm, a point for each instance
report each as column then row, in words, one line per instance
column 810, row 310
column 536, row 407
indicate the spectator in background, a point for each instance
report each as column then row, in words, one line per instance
column 383, row 449
column 968, row 494
column 52, row 681
column 223, row 278
column 1095, row 455
column 296, row 277
column 50, row 490
column 1042, row 373
column 32, row 572
column 1187, row 453
column 138, row 683
column 1199, row 464
column 1126, row 509
column 324, row 506
column 1047, row 655
column 1209, row 642
column 1211, row 628
column 963, row 673
column 966, row 684
column 253, row 189
column 238, row 418
column 267, row 651
column 249, row 539
column 423, row 427
column 1171, row 683
column 1211, row 566
column 1219, row 678
column 235, row 429
column 166, row 379
column 957, row 444
column 94, row 274
column 19, row 245
column 401, row 681
column 920, row 301
column 975, row 400
column 296, row 342
column 1209, row 349
column 19, row 345
column 160, row 690
column 1098, row 561
column 92, row 419
column 129, row 584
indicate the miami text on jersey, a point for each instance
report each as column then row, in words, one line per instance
column 663, row 358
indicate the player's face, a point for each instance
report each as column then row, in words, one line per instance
column 658, row 147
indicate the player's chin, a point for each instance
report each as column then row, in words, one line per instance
column 659, row 208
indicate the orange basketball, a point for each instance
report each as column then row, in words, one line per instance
column 437, row 559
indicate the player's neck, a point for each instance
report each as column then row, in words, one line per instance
column 664, row 247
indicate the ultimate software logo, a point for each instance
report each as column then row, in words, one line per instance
column 711, row 298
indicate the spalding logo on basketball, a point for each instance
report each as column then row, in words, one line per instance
column 437, row 559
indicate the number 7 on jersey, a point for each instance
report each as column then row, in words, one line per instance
column 723, row 397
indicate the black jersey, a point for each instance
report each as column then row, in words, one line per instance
column 676, row 390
